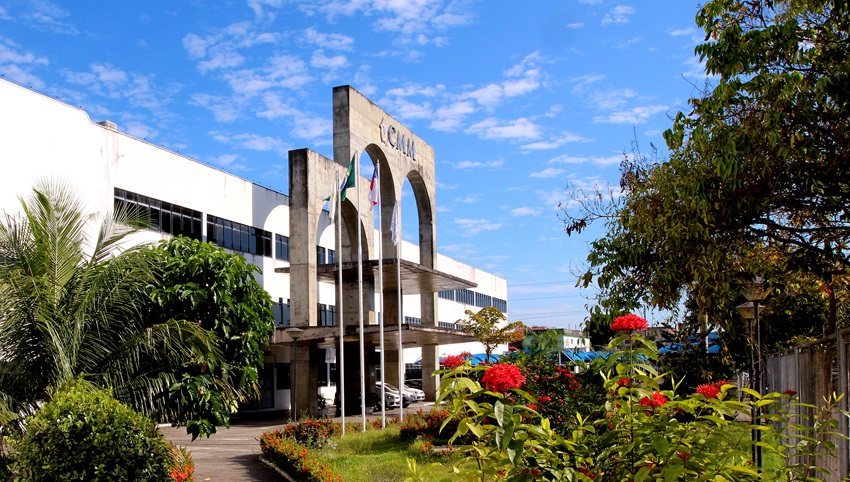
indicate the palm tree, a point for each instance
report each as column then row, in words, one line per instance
column 70, row 298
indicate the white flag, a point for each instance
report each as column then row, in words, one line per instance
column 332, row 201
column 374, row 188
column 395, row 225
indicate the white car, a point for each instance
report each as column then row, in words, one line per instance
column 407, row 399
column 418, row 394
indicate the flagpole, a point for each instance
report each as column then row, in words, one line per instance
column 397, row 219
column 360, row 298
column 377, row 187
column 341, row 321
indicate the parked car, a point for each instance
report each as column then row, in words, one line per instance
column 418, row 394
column 414, row 383
column 393, row 400
column 407, row 397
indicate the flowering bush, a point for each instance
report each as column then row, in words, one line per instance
column 647, row 431
column 452, row 361
column 503, row 377
column 629, row 323
column 182, row 465
column 294, row 459
column 434, row 425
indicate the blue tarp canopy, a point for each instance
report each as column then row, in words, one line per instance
column 713, row 345
column 584, row 356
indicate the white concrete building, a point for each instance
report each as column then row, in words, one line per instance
column 41, row 137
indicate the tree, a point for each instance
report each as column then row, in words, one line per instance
column 776, row 128
column 70, row 306
column 485, row 326
column 547, row 343
column 757, row 179
column 200, row 282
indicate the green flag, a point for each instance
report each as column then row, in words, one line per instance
column 350, row 178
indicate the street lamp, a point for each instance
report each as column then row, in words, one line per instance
column 294, row 333
column 755, row 294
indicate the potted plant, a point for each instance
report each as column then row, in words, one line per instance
column 323, row 406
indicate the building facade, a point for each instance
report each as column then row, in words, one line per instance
column 310, row 268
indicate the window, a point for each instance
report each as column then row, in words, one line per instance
column 239, row 237
column 164, row 217
column 284, row 379
column 447, row 295
column 320, row 255
column 281, row 247
column 331, row 256
column 466, row 297
column 327, row 315
column 500, row 305
column 410, row 320
column 482, row 300
column 281, row 314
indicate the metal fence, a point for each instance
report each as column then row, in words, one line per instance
column 815, row 371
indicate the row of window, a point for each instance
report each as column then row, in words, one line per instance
column 162, row 216
column 469, row 297
column 176, row 220
column 239, row 237
column 326, row 314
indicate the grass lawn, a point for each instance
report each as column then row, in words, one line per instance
column 378, row 456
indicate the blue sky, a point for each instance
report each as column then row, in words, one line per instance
column 518, row 99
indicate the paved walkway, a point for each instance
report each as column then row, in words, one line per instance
column 232, row 454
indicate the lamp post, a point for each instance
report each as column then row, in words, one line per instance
column 755, row 294
column 295, row 334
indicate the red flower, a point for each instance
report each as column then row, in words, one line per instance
column 452, row 361
column 502, row 377
column 629, row 323
column 624, row 382
column 709, row 390
column 790, row 392
column 656, row 401
column 544, row 399
column 512, row 348
column 466, row 354
column 685, row 456
column 533, row 406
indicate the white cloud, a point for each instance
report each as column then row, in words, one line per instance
column 141, row 131
column 575, row 25
column 224, row 109
column 564, row 138
column 619, row 14
column 637, row 115
column 114, row 83
column 682, row 31
column 605, row 161
column 470, row 198
column 489, row 95
column 547, row 173
column 525, row 211
column 322, row 61
column 475, row 226
column 317, row 129
column 492, row 128
column 582, row 83
column 468, row 165
column 331, row 41
column 252, row 142
column 21, row 76
column 450, row 117
column 44, row 15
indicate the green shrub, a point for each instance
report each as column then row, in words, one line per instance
column 83, row 433
column 294, row 459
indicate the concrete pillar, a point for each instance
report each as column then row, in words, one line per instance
column 304, row 211
column 391, row 365
column 305, row 381
column 430, row 363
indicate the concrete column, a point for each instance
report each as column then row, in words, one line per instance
column 305, row 381
column 391, row 365
column 304, row 211
column 430, row 363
